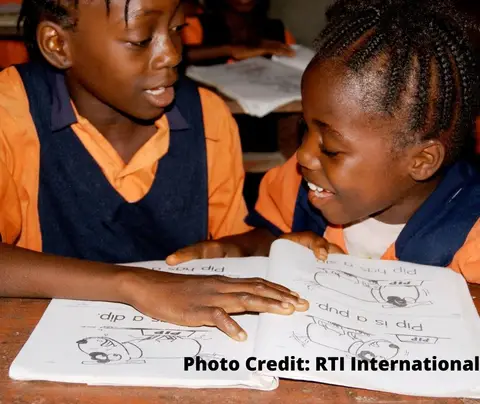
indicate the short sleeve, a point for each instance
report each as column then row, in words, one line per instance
column 226, row 175
column 277, row 197
column 10, row 211
column 467, row 259
column 15, row 159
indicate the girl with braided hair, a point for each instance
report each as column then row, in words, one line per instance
column 389, row 104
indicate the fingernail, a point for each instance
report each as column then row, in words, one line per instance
column 286, row 305
column 302, row 301
column 242, row 335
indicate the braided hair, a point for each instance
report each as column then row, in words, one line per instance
column 61, row 12
column 435, row 35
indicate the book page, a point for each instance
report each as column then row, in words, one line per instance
column 258, row 85
column 363, row 312
column 102, row 343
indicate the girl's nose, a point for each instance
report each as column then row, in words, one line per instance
column 167, row 53
column 308, row 154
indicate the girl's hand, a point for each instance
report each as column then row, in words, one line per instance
column 206, row 249
column 266, row 48
column 319, row 245
column 205, row 300
column 277, row 48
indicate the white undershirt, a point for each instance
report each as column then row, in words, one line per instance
column 370, row 238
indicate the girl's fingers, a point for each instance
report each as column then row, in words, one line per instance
column 217, row 317
column 263, row 289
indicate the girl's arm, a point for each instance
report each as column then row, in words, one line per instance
column 180, row 299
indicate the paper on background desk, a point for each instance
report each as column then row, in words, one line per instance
column 259, row 85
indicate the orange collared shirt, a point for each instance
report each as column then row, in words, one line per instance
column 20, row 161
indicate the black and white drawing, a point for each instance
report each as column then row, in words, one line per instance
column 151, row 344
column 351, row 342
column 390, row 294
column 419, row 339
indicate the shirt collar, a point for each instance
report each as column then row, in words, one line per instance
column 63, row 114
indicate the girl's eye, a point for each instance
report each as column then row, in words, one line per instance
column 179, row 28
column 141, row 44
column 328, row 153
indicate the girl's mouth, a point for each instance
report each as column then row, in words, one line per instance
column 160, row 97
column 319, row 197
column 319, row 192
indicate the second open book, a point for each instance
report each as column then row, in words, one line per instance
column 359, row 310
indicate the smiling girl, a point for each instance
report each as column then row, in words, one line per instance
column 389, row 104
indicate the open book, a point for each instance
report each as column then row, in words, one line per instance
column 259, row 85
column 364, row 315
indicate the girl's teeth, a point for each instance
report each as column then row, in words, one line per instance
column 157, row 91
column 315, row 188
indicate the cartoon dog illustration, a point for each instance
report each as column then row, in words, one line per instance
column 350, row 341
column 106, row 350
column 391, row 294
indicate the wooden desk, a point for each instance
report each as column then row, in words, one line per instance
column 18, row 317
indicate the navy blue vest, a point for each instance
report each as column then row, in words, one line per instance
column 82, row 215
column 434, row 233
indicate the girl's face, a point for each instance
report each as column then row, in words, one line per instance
column 347, row 154
column 129, row 67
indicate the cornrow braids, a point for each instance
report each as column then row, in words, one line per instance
column 430, row 37
column 61, row 12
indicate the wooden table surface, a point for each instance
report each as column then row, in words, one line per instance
column 18, row 317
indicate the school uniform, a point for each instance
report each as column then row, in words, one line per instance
column 65, row 190
column 445, row 230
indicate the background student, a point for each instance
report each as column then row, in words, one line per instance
column 234, row 30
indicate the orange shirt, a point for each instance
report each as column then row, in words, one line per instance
column 12, row 52
column 192, row 34
column 20, row 160
column 277, row 202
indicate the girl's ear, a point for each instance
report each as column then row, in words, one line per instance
column 427, row 158
column 53, row 42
